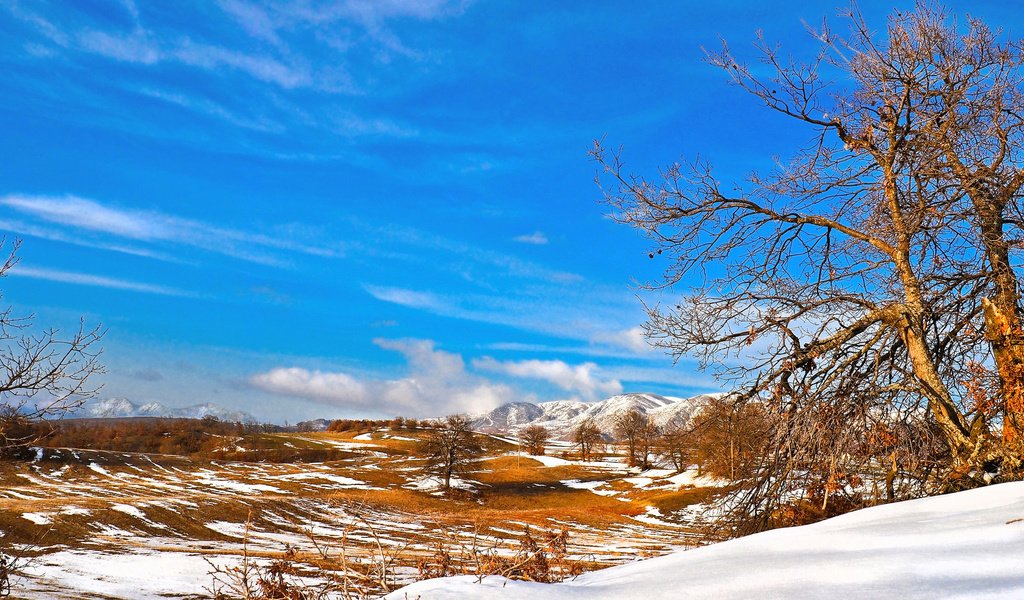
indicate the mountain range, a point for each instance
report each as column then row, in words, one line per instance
column 122, row 407
column 562, row 416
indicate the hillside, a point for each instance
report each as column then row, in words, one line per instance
column 965, row 545
column 561, row 417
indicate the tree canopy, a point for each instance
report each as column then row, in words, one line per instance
column 869, row 285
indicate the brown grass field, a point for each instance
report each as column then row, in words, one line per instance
column 97, row 505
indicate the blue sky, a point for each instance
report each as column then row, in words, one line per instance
column 364, row 208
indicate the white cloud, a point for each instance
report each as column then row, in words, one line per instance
column 96, row 281
column 537, row 238
column 333, row 388
column 632, row 339
column 436, row 384
column 580, row 379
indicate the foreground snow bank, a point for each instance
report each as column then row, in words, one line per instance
column 965, row 545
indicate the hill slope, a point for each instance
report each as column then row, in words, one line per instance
column 965, row 545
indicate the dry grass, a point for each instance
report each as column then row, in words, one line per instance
column 178, row 500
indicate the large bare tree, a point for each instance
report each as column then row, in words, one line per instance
column 451, row 447
column 44, row 373
column 586, row 435
column 534, row 438
column 862, row 289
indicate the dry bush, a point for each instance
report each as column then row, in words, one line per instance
column 337, row 575
column 533, row 438
column 543, row 559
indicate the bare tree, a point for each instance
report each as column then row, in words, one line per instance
column 534, row 437
column 636, row 429
column 585, row 435
column 728, row 437
column 864, row 280
column 44, row 373
column 450, row 447
column 677, row 446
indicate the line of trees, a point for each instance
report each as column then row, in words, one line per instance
column 340, row 425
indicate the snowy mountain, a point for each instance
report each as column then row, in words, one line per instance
column 964, row 545
column 508, row 417
column 312, row 425
column 561, row 417
column 122, row 407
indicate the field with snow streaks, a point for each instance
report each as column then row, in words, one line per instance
column 138, row 526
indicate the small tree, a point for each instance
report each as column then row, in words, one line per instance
column 585, row 435
column 647, row 442
column 43, row 374
column 729, row 437
column 450, row 448
column 634, row 428
column 533, row 438
column 676, row 445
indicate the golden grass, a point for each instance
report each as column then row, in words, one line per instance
column 510, row 489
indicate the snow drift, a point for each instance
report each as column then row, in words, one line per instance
column 964, row 545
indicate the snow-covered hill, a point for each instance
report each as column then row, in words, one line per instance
column 965, row 545
column 122, row 407
column 561, row 417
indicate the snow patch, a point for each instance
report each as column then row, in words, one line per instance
column 958, row 546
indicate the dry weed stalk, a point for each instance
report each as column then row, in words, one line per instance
column 339, row 575
column 544, row 559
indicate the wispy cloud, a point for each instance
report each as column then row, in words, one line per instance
column 56, row 235
column 589, row 350
column 212, row 109
column 412, row 299
column 472, row 256
column 153, row 226
column 97, row 281
column 280, row 26
column 587, row 314
column 579, row 379
column 256, row 21
column 536, row 238
column 142, row 47
column 684, row 374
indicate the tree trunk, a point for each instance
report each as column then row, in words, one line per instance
column 890, row 479
column 1003, row 331
column 1002, row 311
